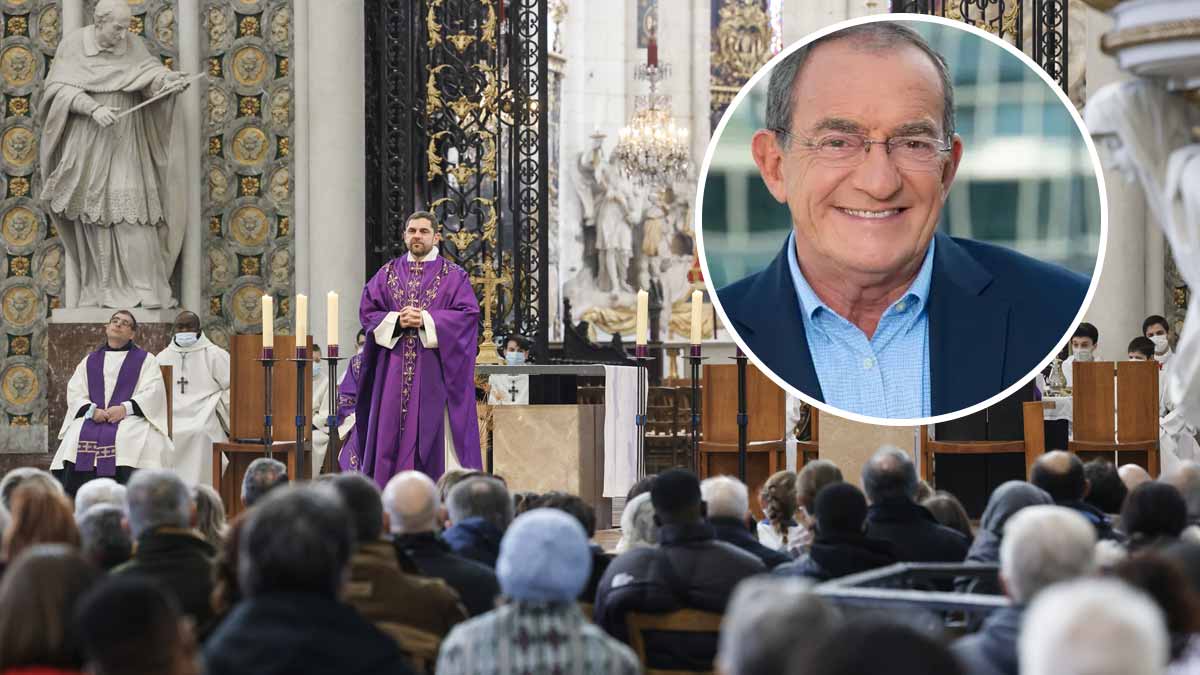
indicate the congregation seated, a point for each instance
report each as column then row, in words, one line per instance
column 210, row 514
column 410, row 500
column 809, row 481
column 479, row 510
column 727, row 501
column 1164, row 581
column 543, row 565
column 758, row 632
column 167, row 549
column 889, row 479
column 130, row 626
column 839, row 547
column 98, row 491
column 1042, row 545
column 104, row 538
column 1106, row 490
column 637, row 524
column 382, row 592
column 1061, row 475
column 1154, row 514
column 948, row 511
column 586, row 515
column 779, row 530
column 1186, row 479
column 37, row 597
column 689, row 569
column 263, row 475
column 39, row 515
column 296, row 549
column 23, row 475
column 1133, row 475
column 1004, row 502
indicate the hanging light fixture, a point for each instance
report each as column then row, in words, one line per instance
column 651, row 148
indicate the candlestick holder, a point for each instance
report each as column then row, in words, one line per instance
column 695, row 358
column 640, row 355
column 267, row 359
column 301, row 362
column 743, row 420
column 335, row 442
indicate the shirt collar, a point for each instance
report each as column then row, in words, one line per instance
column 810, row 302
column 433, row 253
column 92, row 48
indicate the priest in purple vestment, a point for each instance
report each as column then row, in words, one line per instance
column 416, row 386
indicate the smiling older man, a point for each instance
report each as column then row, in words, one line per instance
column 890, row 319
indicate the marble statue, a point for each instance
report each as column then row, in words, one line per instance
column 615, row 215
column 114, row 180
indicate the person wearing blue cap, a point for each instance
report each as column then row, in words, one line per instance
column 543, row 565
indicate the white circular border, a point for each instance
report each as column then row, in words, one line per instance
column 1097, row 169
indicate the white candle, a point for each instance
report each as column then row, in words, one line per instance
column 301, row 321
column 697, row 313
column 268, row 321
column 331, row 318
column 643, row 316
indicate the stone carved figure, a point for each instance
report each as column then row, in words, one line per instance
column 218, row 106
column 614, row 230
column 114, row 184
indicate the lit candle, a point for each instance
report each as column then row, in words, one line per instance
column 268, row 321
column 301, row 321
column 643, row 316
column 331, row 318
column 697, row 309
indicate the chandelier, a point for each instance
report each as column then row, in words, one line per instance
column 651, row 149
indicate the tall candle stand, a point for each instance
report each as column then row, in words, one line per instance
column 743, row 420
column 268, row 362
column 334, row 442
column 640, row 419
column 301, row 362
column 695, row 360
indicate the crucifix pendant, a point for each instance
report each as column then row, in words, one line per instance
column 182, row 381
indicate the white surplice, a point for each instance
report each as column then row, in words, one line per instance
column 142, row 440
column 200, row 401
column 320, row 413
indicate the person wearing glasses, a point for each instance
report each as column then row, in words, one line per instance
column 867, row 307
column 116, row 418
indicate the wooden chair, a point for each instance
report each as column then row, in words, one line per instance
column 1123, row 422
column 679, row 621
column 1032, row 446
column 661, row 424
column 420, row 647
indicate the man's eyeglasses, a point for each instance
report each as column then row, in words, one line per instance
column 120, row 323
column 844, row 150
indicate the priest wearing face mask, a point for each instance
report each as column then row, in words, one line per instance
column 511, row 389
column 1083, row 348
column 200, row 397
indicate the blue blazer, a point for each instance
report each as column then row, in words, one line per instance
column 994, row 314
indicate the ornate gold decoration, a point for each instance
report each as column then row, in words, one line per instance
column 49, row 272
column 461, row 41
column 285, row 146
column 281, row 22
column 462, row 107
column 164, row 27
column 249, row 226
column 284, row 64
column 489, row 225
column 462, row 239
column 19, row 345
column 17, row 25
column 250, row 146
column 742, row 43
column 249, row 106
column 250, row 186
column 247, row 304
column 432, row 27
column 169, row 62
column 214, row 146
column 462, row 172
column 214, row 306
column 18, row 420
column 281, row 107
column 214, row 66
column 1164, row 31
column 284, row 305
column 50, row 26
column 285, row 226
column 1008, row 22
column 19, row 226
column 18, row 105
column 18, row 65
column 19, row 186
column 218, row 30
column 137, row 25
column 19, row 266
column 431, row 156
column 250, row 66
column 20, row 385
column 248, row 26
column 489, row 154
column 214, row 226
column 55, row 302
column 250, row 266
column 489, row 282
column 20, row 306
column 433, row 96
column 489, row 28
column 18, row 146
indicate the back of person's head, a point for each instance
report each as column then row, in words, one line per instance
column 1093, row 627
column 876, row 645
column 779, row 501
column 361, row 497
column 1186, row 554
column 950, row 512
column 40, row 515
column 571, row 504
column 758, row 631
column 411, row 501
column 889, row 474
column 451, row 478
column 130, row 625
column 263, row 475
column 1044, row 545
column 544, row 557
column 297, row 540
column 1186, row 479
column 1165, row 582
column 481, row 497
column 725, row 497
column 1143, row 346
column 524, row 501
column 676, row 497
column 99, row 491
column 1133, row 475
column 1106, row 492
column 38, row 593
column 638, row 528
column 210, row 513
column 641, row 487
column 1153, row 511
column 924, row 491
column 840, row 508
column 1060, row 474
column 104, row 536
column 158, row 498
column 814, row 476
column 23, row 475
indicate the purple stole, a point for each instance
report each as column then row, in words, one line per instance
column 98, row 442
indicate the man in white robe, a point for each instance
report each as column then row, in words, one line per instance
column 320, row 411
column 511, row 389
column 116, row 417
column 200, row 388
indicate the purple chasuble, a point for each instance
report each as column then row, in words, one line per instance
column 97, row 447
column 404, row 391
column 347, row 401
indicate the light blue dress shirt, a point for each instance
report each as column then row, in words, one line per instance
column 886, row 375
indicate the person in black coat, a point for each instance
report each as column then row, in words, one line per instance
column 727, row 501
column 840, row 548
column 480, row 510
column 890, row 481
column 1062, row 476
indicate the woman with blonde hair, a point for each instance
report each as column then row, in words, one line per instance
column 779, row 530
column 39, row 516
column 210, row 514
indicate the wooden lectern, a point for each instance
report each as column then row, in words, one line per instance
column 246, row 384
column 1122, row 425
column 766, row 405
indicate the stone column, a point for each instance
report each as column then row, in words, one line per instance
column 72, row 15
column 189, row 32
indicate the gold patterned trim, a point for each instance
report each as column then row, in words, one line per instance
column 1164, row 31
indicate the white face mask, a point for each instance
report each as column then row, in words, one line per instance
column 1160, row 343
column 514, row 358
column 186, row 339
column 1083, row 355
